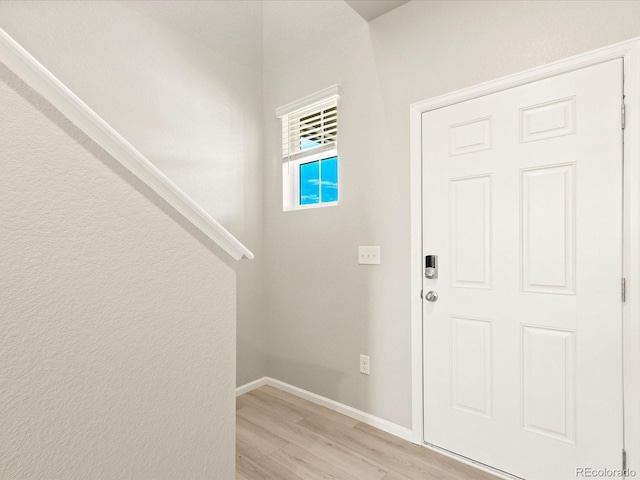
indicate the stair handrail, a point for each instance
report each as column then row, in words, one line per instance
column 38, row 77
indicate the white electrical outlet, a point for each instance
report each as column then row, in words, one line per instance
column 365, row 367
column 369, row 255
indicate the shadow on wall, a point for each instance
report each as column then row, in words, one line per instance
column 330, row 379
column 48, row 110
column 250, row 354
column 325, row 309
column 317, row 327
column 206, row 111
column 181, row 81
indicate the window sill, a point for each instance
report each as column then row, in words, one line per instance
column 309, row 207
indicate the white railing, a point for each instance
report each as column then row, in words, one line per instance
column 46, row 84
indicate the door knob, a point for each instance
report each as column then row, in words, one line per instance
column 431, row 296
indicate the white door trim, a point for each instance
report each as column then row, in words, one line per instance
column 630, row 52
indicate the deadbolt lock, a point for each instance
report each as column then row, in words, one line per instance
column 431, row 266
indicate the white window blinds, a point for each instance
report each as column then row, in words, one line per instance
column 309, row 129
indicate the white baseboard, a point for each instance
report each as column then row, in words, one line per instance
column 364, row 417
column 247, row 387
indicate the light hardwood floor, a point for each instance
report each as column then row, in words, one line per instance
column 282, row 437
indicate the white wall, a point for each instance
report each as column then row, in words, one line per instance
column 324, row 310
column 182, row 82
column 117, row 329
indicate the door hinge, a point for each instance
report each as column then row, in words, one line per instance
column 623, row 289
column 624, row 459
column 624, row 115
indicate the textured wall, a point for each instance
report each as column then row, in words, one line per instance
column 117, row 332
column 324, row 310
column 182, row 82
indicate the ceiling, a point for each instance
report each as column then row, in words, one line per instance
column 228, row 27
column 274, row 31
column 370, row 9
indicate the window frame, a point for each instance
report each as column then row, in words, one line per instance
column 292, row 160
column 291, row 176
column 295, row 165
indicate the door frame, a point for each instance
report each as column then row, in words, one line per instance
column 629, row 51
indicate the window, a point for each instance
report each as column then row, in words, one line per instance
column 319, row 181
column 310, row 151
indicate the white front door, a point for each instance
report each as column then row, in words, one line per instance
column 522, row 205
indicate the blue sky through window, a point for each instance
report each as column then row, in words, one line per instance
column 330, row 179
column 310, row 181
column 306, row 143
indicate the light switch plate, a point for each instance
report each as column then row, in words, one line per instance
column 369, row 255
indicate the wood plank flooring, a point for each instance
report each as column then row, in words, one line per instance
column 282, row 437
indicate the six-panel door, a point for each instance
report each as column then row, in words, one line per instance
column 522, row 204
